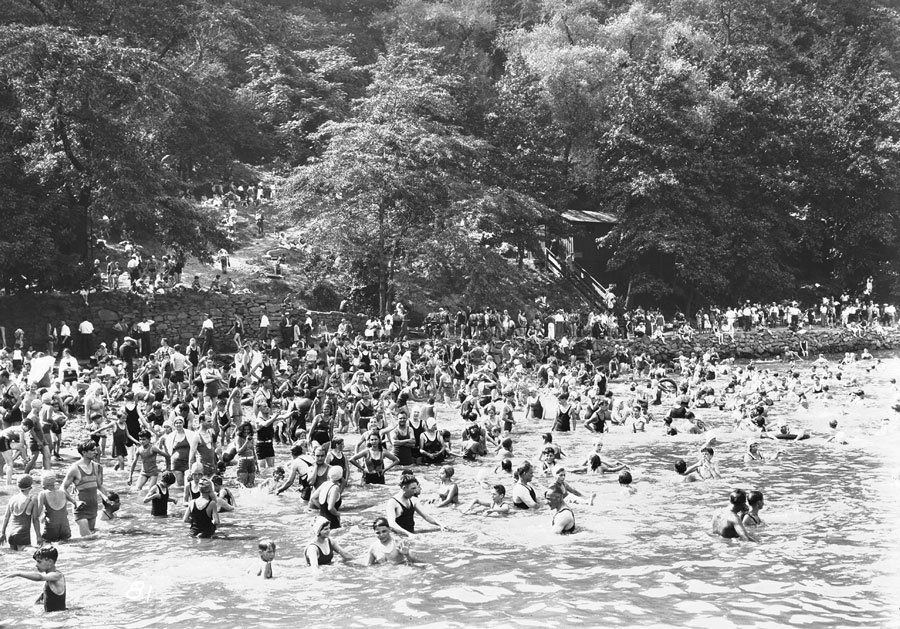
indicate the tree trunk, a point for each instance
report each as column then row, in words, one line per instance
column 627, row 295
column 382, row 270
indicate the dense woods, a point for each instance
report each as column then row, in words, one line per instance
column 750, row 148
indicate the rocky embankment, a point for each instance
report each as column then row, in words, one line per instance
column 764, row 343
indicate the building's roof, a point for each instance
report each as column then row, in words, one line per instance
column 589, row 216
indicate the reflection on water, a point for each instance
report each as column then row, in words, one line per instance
column 645, row 557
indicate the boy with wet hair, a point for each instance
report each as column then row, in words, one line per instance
column 266, row 555
column 54, row 596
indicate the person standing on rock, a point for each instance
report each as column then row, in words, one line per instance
column 65, row 337
column 206, row 334
column 286, row 328
column 264, row 327
column 85, row 340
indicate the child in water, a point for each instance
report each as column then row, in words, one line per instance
column 496, row 506
column 224, row 497
column 159, row 495
column 111, row 504
column 54, row 596
column 266, row 555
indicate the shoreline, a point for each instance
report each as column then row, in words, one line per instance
column 763, row 343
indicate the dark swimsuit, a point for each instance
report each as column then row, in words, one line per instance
column 132, row 421
column 159, row 506
column 87, row 492
column 120, row 441
column 334, row 520
column 374, row 474
column 324, row 560
column 264, row 437
column 522, row 505
column 366, row 411
column 180, row 452
column 53, row 602
column 433, row 446
column 404, row 453
column 570, row 529
column 563, row 421
column 201, row 522
column 406, row 519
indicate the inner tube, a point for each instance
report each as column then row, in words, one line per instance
column 791, row 436
column 668, row 384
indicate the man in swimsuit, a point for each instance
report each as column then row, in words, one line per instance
column 300, row 466
column 563, row 517
column 402, row 507
column 86, row 476
column 729, row 521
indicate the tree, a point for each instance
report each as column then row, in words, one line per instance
column 390, row 175
column 87, row 115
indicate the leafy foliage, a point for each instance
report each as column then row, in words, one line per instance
column 748, row 147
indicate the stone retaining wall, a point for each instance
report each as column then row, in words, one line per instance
column 756, row 344
column 177, row 315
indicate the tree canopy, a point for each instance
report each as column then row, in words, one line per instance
column 749, row 148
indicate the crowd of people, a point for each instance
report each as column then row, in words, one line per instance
column 859, row 314
column 195, row 428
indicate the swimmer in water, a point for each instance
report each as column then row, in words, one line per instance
column 497, row 505
column 111, row 504
column 386, row 549
column 321, row 549
column 54, row 596
column 728, row 522
column 565, row 488
column 224, row 497
column 402, row 508
column 706, row 468
column 448, row 493
column 563, row 521
column 756, row 502
column 687, row 474
column 595, row 464
column 266, row 555
column 753, row 453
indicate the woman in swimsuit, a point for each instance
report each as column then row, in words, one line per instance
column 327, row 498
column 245, row 450
column 203, row 512
column 147, row 454
column 179, row 444
column 86, row 477
column 432, row 448
column 51, row 505
column 374, row 456
column 321, row 548
column 448, row 493
column 336, row 458
column 386, row 549
column 192, row 489
column 204, row 450
column 729, row 521
column 94, row 406
column 756, row 502
column 23, row 511
column 524, row 496
column 563, row 421
column 265, row 436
